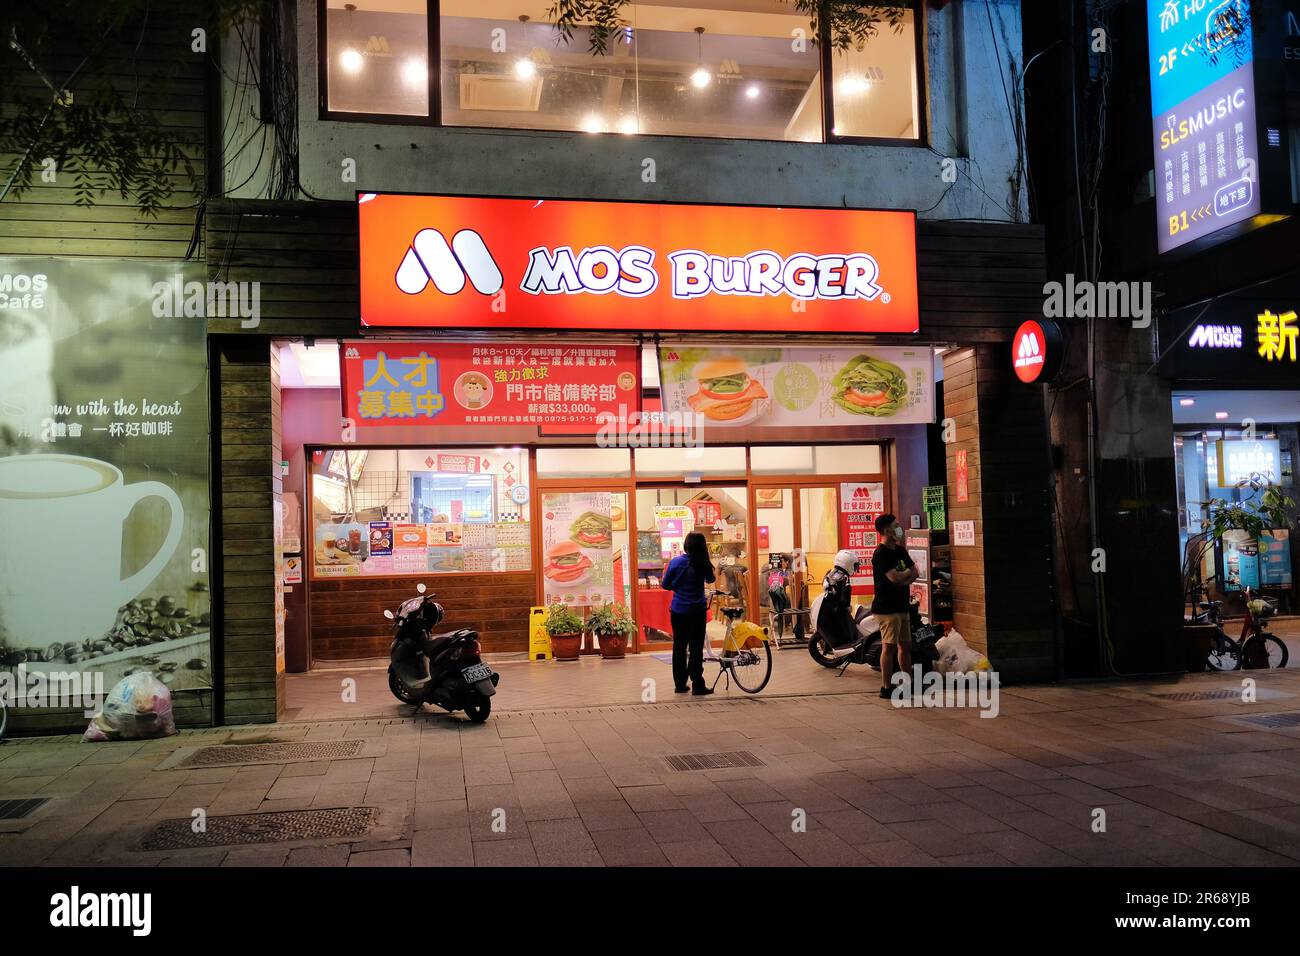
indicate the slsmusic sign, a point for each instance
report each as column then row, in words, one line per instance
column 466, row 262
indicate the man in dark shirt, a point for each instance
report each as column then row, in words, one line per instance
column 893, row 571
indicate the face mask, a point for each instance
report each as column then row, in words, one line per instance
column 898, row 534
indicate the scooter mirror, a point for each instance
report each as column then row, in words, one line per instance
column 420, row 587
column 388, row 614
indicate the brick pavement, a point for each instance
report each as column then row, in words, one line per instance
column 1179, row 782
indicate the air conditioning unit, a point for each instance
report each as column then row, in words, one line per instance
column 498, row 91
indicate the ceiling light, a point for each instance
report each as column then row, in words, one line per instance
column 628, row 125
column 593, row 124
column 753, row 91
column 1187, row 402
column 350, row 60
column 1220, row 415
column 701, row 77
column 525, row 69
column 853, row 84
column 414, row 74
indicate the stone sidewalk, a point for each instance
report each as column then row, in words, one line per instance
column 1180, row 772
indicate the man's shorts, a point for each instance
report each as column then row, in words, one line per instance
column 894, row 627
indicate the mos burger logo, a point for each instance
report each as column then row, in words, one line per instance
column 1036, row 351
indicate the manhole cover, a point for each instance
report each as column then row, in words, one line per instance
column 227, row 754
column 18, row 809
column 1272, row 720
column 739, row 758
column 278, row 827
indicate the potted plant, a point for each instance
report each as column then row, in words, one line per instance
column 613, row 627
column 564, row 627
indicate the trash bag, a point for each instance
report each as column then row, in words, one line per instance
column 138, row 707
column 958, row 657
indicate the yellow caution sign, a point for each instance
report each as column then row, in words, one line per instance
column 539, row 642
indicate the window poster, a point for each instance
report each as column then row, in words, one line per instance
column 103, row 476
column 577, row 548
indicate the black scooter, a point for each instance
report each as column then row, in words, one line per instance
column 443, row 669
column 863, row 645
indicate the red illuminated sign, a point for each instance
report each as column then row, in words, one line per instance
column 1036, row 351
column 467, row 262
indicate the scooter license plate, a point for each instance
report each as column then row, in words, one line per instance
column 476, row 673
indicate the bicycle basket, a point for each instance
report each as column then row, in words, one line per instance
column 1263, row 608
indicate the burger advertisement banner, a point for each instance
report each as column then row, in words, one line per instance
column 799, row 387
column 577, row 548
column 503, row 263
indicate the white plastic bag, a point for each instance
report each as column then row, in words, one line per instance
column 138, row 707
column 956, row 656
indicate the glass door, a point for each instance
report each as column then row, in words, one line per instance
column 664, row 516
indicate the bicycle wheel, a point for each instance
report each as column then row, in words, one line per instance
column 1271, row 653
column 1225, row 655
column 753, row 668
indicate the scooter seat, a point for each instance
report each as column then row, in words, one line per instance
column 439, row 642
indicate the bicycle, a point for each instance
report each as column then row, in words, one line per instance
column 746, row 654
column 1255, row 648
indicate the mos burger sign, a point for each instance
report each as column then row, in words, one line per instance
column 469, row 262
column 1036, row 351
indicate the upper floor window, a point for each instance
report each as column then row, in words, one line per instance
column 740, row 69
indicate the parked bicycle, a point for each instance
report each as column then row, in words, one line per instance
column 1254, row 647
column 746, row 655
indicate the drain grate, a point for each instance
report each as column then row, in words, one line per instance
column 18, row 809
column 225, row 755
column 1272, row 720
column 723, row 761
column 278, row 827
column 1227, row 693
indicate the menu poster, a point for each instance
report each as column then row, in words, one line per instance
column 1275, row 558
column 340, row 549
column 799, row 387
column 674, row 523
column 577, row 548
column 860, row 504
column 381, row 537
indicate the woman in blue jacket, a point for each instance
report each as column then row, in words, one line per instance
column 686, row 576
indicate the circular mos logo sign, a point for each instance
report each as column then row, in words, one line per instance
column 1036, row 351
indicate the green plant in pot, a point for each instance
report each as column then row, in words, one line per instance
column 613, row 626
column 1265, row 508
column 564, row 627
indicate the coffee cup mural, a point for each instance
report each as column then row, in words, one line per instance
column 61, row 573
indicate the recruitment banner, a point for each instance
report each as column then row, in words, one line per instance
column 799, row 387
column 104, row 499
column 476, row 262
column 560, row 387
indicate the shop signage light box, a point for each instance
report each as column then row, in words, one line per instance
column 436, row 262
column 1251, row 336
column 1209, row 100
column 1238, row 461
